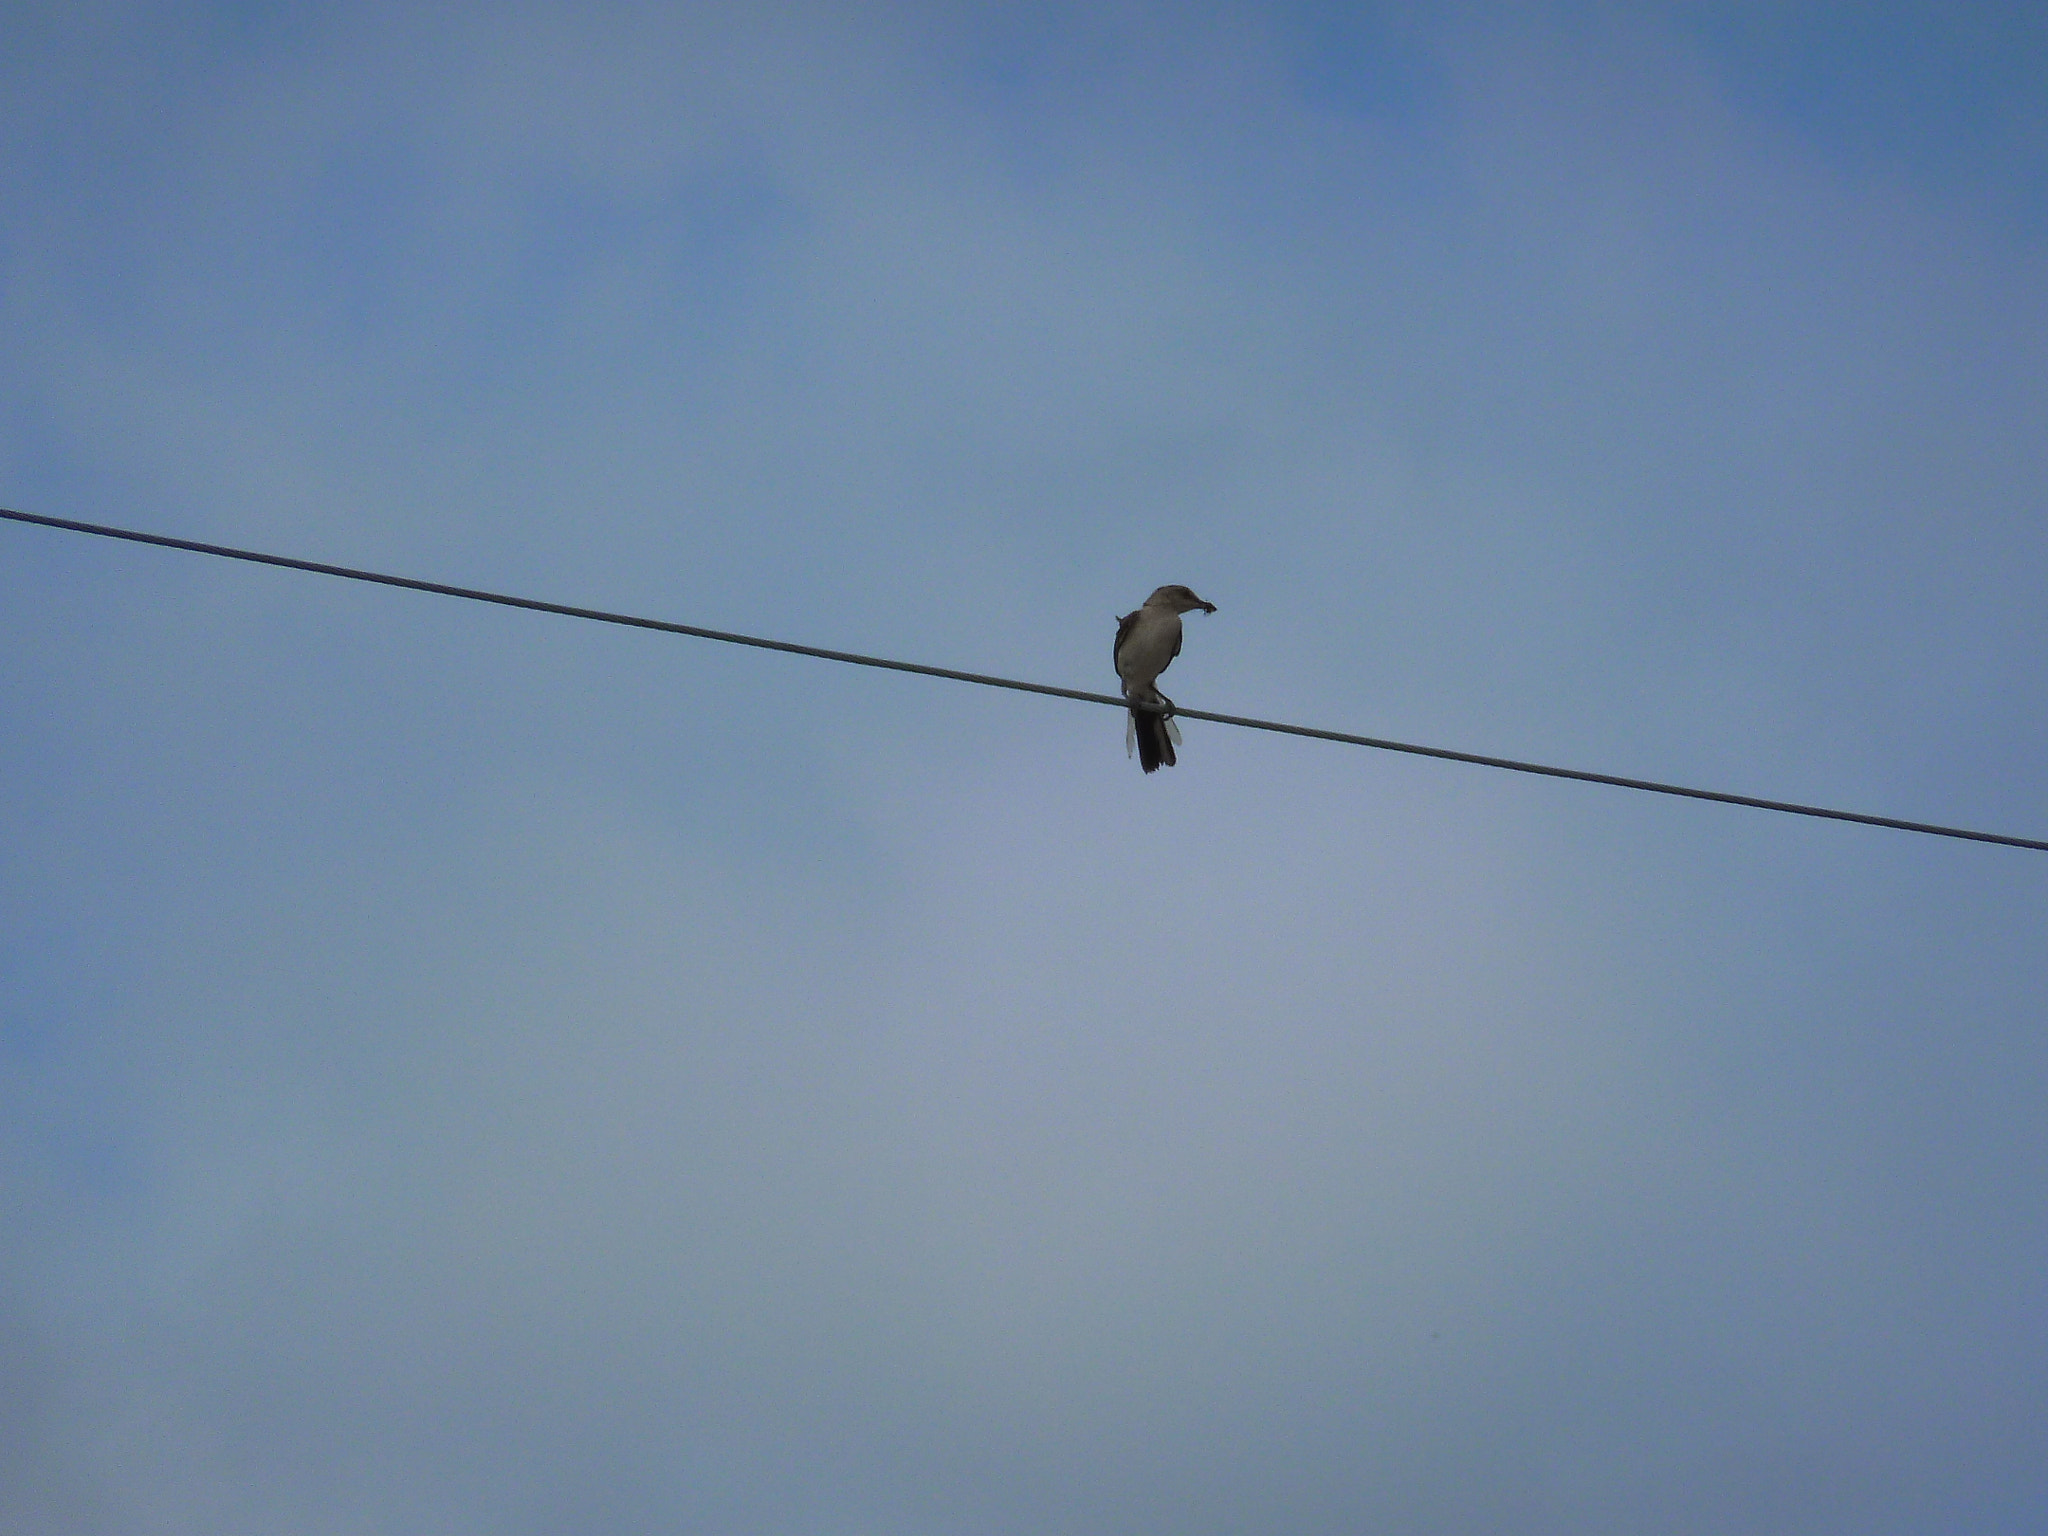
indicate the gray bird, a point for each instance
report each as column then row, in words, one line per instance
column 1146, row 643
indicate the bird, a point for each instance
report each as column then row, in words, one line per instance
column 1147, row 640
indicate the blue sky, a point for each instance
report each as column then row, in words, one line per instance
column 463, row 1070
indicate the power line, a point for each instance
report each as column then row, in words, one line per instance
column 854, row 658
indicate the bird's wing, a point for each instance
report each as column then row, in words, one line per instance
column 1123, row 632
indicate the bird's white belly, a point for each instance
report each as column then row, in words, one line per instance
column 1148, row 648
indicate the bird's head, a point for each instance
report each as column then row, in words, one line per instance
column 1179, row 599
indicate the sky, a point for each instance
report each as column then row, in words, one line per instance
column 465, row 1070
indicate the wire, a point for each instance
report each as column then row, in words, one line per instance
column 985, row 680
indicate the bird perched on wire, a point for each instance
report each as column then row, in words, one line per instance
column 1147, row 640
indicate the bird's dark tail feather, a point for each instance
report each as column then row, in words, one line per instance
column 1155, row 746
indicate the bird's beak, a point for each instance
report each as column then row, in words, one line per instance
column 1208, row 607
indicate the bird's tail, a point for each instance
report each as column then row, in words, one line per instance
column 1154, row 732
